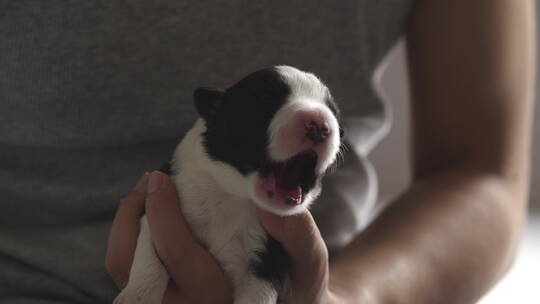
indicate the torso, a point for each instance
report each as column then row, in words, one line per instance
column 94, row 93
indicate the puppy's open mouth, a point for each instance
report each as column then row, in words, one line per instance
column 287, row 182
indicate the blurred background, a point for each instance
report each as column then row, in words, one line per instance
column 391, row 161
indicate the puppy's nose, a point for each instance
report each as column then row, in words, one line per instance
column 317, row 132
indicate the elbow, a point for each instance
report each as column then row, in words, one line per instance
column 504, row 209
column 491, row 207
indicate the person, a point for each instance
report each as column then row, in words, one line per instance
column 95, row 93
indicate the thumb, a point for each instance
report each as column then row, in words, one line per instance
column 190, row 266
column 301, row 239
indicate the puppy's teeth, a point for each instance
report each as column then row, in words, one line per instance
column 291, row 201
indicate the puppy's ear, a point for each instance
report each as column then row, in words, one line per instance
column 207, row 102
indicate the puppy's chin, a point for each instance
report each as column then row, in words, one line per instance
column 283, row 211
column 260, row 198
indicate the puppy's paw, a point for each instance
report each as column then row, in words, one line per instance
column 138, row 296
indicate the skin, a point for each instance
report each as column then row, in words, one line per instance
column 447, row 239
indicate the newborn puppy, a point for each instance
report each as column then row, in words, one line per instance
column 265, row 142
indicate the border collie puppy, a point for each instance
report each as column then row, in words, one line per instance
column 265, row 142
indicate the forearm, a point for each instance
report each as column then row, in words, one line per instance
column 446, row 240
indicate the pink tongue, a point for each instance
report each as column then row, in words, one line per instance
column 292, row 196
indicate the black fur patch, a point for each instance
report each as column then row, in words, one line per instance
column 273, row 265
column 166, row 168
column 329, row 101
column 332, row 105
column 207, row 102
column 237, row 130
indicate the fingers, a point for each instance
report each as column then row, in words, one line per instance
column 163, row 212
column 189, row 264
column 301, row 239
column 173, row 295
column 124, row 232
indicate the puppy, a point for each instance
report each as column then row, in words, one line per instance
column 265, row 142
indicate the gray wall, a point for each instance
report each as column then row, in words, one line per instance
column 391, row 156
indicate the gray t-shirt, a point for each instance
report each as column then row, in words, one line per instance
column 94, row 93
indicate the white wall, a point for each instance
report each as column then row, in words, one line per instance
column 391, row 156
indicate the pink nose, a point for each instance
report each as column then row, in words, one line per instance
column 317, row 132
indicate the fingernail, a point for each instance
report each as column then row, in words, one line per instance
column 154, row 182
column 142, row 183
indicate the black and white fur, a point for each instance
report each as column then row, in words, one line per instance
column 229, row 153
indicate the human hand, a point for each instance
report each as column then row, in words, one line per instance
column 301, row 239
column 189, row 264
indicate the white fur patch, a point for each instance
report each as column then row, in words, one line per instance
column 148, row 278
column 286, row 115
column 303, row 84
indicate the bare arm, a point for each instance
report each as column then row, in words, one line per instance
column 455, row 231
